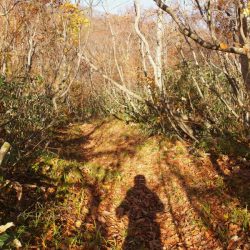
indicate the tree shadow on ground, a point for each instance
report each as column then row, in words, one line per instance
column 69, row 149
column 230, row 157
column 236, row 176
column 209, row 199
column 195, row 198
column 141, row 206
column 50, row 189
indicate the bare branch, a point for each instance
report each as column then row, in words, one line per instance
column 118, row 85
column 6, row 12
column 187, row 31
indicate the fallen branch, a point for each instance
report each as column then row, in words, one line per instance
column 187, row 31
column 3, row 151
column 5, row 227
column 118, row 85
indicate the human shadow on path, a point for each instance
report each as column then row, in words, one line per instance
column 141, row 206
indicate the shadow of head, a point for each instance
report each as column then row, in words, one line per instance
column 140, row 180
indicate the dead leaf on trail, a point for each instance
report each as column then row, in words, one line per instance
column 51, row 190
column 78, row 224
column 16, row 243
column 208, row 234
column 223, row 46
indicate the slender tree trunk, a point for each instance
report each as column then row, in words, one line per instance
column 159, row 50
column 245, row 69
column 31, row 53
column 245, row 39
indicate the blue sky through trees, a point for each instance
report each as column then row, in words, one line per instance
column 117, row 6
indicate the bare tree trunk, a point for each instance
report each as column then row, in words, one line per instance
column 159, row 49
column 144, row 40
column 245, row 69
column 244, row 31
column 32, row 46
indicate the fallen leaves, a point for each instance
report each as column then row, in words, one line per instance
column 182, row 181
column 4, row 237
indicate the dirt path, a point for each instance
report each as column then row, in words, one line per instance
column 146, row 193
column 133, row 155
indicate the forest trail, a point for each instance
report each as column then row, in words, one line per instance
column 174, row 200
column 116, row 133
column 117, row 147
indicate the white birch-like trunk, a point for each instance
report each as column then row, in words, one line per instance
column 159, row 49
column 156, row 62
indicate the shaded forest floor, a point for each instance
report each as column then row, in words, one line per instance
column 106, row 185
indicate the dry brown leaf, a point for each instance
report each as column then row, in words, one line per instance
column 78, row 224
column 223, row 46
